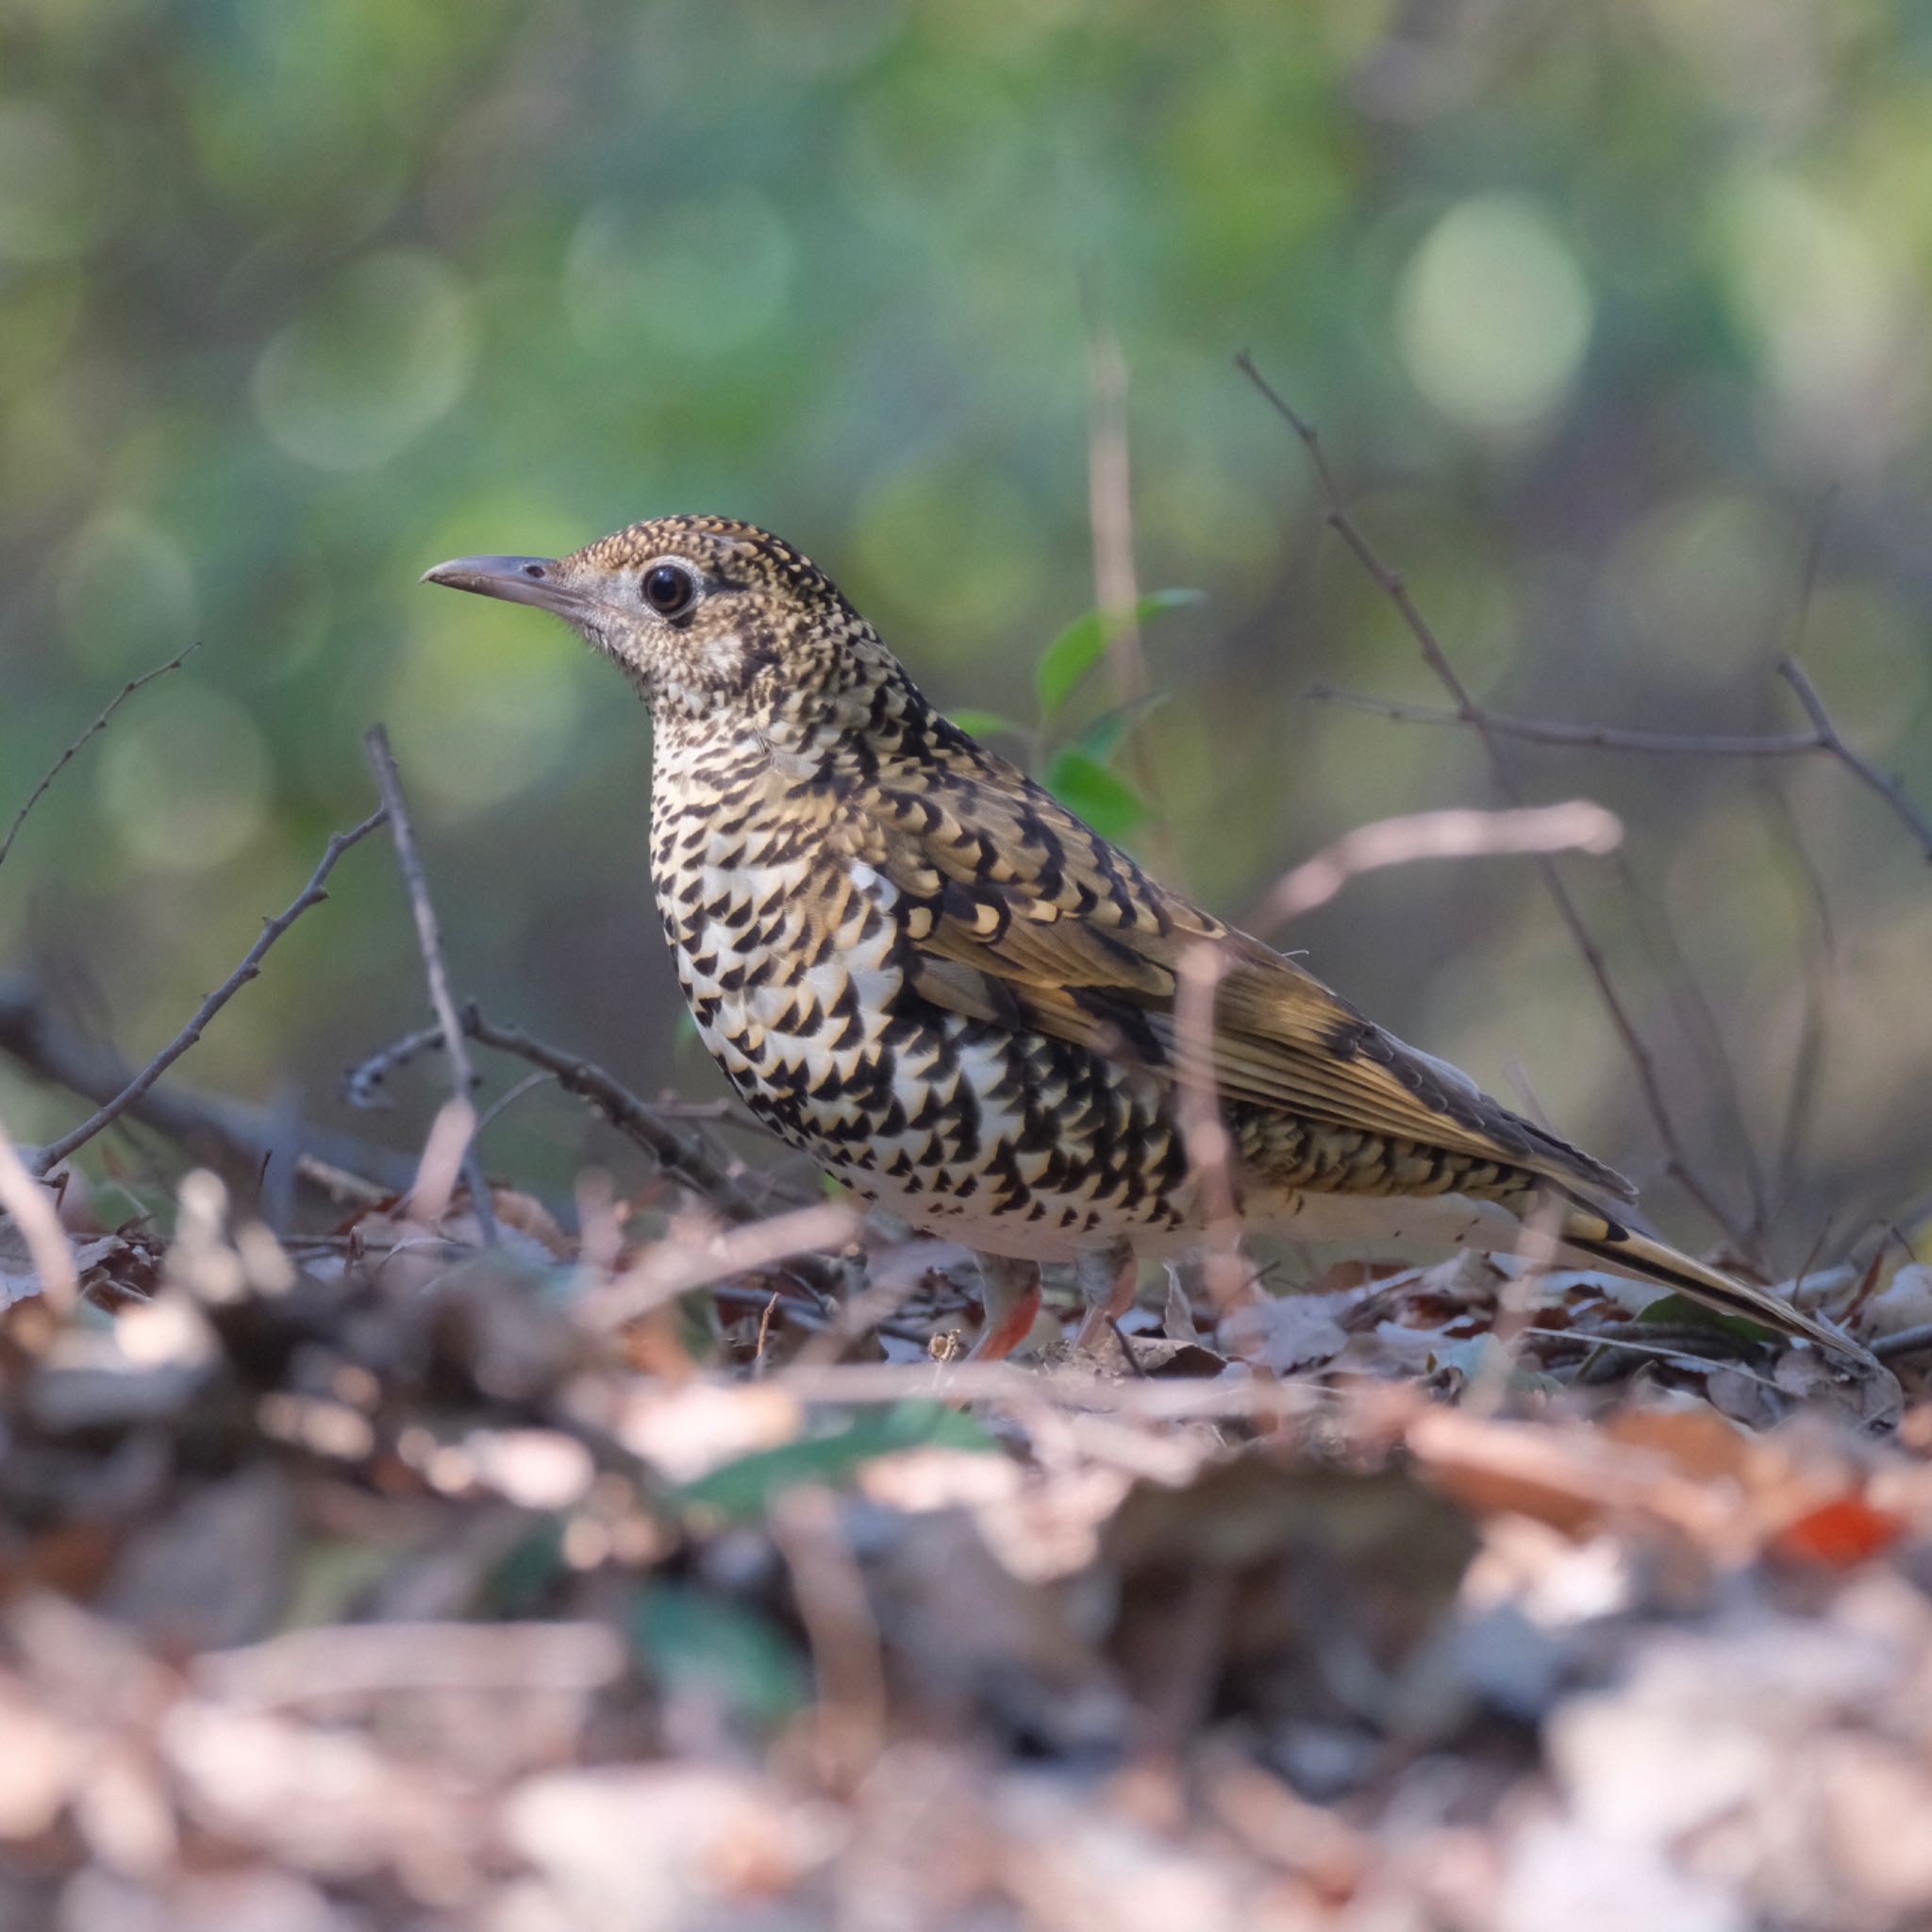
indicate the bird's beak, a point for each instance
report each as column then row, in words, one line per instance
column 516, row 579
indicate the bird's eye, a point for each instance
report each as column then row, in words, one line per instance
column 668, row 588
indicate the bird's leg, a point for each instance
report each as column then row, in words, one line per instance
column 1010, row 1296
column 1106, row 1278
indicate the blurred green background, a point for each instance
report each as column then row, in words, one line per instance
column 1600, row 310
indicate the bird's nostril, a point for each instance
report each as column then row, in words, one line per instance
column 533, row 570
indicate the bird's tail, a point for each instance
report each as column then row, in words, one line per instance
column 1586, row 1231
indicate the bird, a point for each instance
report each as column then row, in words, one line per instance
column 914, row 963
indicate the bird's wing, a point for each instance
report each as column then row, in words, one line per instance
column 1018, row 913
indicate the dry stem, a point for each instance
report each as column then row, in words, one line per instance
column 1468, row 710
column 310, row 894
column 1469, row 832
column 100, row 724
column 429, row 944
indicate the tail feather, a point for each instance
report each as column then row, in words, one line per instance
column 1588, row 1232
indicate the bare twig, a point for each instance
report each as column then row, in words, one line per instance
column 1824, row 736
column 382, row 762
column 510, row 1095
column 310, row 894
column 673, row 1268
column 1698, row 1019
column 1437, row 658
column 1116, row 577
column 1866, row 773
column 1584, row 737
column 1109, row 509
column 229, row 1131
column 1820, row 967
column 1210, row 1153
column 833, row 1606
column 31, row 1207
column 362, row 1083
column 684, row 1156
column 353, row 1661
column 100, row 724
column 445, row 1155
column 1467, row 833
column 1903, row 1342
column 1819, row 950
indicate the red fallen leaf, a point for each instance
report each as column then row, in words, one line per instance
column 1838, row 1533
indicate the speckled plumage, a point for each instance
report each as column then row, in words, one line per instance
column 914, row 963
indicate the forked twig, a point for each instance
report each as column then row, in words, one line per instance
column 1718, row 745
column 684, row 1156
column 1860, row 767
column 310, row 894
column 215, row 1127
column 429, row 944
column 1824, row 736
column 1393, row 585
column 100, row 724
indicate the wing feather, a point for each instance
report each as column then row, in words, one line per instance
column 1037, row 921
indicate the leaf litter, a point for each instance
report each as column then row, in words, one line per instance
column 365, row 1580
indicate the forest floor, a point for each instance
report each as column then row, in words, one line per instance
column 390, row 1578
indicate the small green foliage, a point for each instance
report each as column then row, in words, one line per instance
column 520, row 1580
column 1084, row 642
column 1108, row 732
column 1680, row 1311
column 1090, row 790
column 740, row 1491
column 693, row 1641
column 978, row 723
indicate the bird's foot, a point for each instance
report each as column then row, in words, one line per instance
column 1010, row 1299
column 1107, row 1277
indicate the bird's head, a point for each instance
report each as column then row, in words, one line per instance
column 709, row 618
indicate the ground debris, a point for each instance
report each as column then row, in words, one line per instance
column 366, row 1580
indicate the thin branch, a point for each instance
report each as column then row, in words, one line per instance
column 382, row 762
column 1466, row 833
column 1203, row 1132
column 672, row 1268
column 1588, row 737
column 310, row 894
column 1867, row 773
column 1698, row 1019
column 228, row 1130
column 1116, row 577
column 684, row 1156
column 1437, row 658
column 1819, row 948
column 100, row 724
column 362, row 1084
column 1903, row 1342
column 1109, row 507
column 1823, row 737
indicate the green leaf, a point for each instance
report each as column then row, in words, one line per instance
column 695, row 1640
column 1680, row 1311
column 1090, row 791
column 738, row 1491
column 523, row 1575
column 978, row 723
column 1084, row 642
column 1107, row 733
